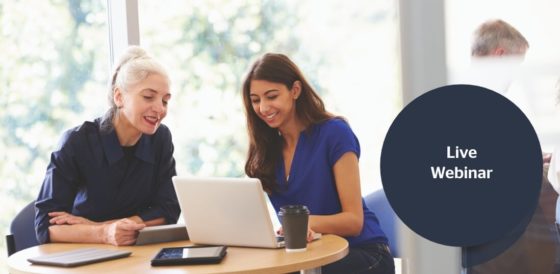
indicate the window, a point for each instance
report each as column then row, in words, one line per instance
column 52, row 78
column 348, row 51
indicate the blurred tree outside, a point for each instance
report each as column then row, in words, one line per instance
column 208, row 47
column 52, row 78
column 345, row 49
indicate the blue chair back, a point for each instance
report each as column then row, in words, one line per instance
column 22, row 230
column 377, row 202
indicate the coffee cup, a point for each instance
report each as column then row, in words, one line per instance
column 294, row 220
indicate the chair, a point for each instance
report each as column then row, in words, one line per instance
column 22, row 230
column 377, row 202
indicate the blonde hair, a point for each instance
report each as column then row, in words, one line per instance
column 134, row 66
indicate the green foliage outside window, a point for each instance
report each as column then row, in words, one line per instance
column 51, row 77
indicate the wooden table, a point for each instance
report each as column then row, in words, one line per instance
column 328, row 249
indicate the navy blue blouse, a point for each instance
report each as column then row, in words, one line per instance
column 90, row 176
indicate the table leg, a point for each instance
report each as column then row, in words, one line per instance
column 311, row 271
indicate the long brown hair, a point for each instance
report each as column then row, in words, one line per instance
column 265, row 143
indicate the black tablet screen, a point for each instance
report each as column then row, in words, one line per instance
column 199, row 252
column 189, row 255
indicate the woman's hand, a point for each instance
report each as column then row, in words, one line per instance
column 310, row 234
column 64, row 218
column 122, row 232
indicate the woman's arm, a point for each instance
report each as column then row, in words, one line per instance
column 59, row 187
column 66, row 227
column 121, row 232
column 83, row 233
column 64, row 218
column 349, row 222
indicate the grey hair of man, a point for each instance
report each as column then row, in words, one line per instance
column 495, row 35
column 134, row 66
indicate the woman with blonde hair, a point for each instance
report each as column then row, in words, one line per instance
column 111, row 177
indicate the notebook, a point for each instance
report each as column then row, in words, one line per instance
column 79, row 257
column 227, row 211
column 162, row 233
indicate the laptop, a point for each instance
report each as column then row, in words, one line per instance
column 227, row 211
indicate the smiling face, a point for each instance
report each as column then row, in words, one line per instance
column 143, row 105
column 274, row 103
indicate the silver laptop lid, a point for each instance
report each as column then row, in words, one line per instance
column 225, row 211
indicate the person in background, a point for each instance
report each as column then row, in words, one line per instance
column 552, row 164
column 305, row 155
column 497, row 51
column 498, row 38
column 532, row 249
column 111, row 177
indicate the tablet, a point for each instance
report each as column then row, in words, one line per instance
column 162, row 233
column 189, row 255
column 79, row 257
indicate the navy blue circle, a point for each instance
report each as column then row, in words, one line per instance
column 467, row 211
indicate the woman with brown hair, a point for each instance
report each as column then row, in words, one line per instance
column 305, row 155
